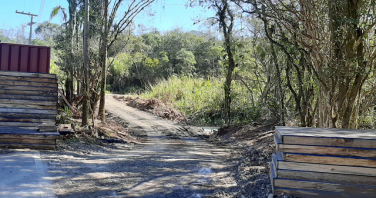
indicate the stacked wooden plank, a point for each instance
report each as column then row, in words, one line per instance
column 317, row 162
column 27, row 101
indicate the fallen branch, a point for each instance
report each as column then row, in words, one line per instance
column 71, row 108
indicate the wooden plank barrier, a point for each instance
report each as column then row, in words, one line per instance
column 317, row 162
column 27, row 101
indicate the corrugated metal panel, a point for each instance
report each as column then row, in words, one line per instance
column 24, row 58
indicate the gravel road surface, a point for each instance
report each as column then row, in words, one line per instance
column 169, row 162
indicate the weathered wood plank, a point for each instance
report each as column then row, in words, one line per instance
column 20, row 124
column 318, row 194
column 27, row 141
column 29, row 92
column 342, row 142
column 31, row 79
column 327, row 150
column 29, row 88
column 27, row 106
column 272, row 176
column 32, row 146
column 325, row 168
column 28, row 136
column 326, row 133
column 29, row 97
column 28, row 83
column 335, row 160
column 28, row 115
column 28, row 102
column 27, row 74
column 35, row 111
column 323, row 186
column 18, row 119
column 326, row 177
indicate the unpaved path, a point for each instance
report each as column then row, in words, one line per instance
column 168, row 163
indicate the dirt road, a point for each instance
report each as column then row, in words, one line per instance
column 168, row 163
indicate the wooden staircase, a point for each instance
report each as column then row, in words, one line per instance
column 27, row 100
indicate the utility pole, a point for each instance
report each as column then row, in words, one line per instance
column 31, row 22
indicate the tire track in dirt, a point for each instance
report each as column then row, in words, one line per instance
column 161, row 166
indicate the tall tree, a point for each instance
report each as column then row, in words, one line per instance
column 86, row 100
column 111, row 31
column 225, row 17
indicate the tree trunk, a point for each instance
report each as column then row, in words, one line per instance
column 224, row 14
column 86, row 99
column 104, row 62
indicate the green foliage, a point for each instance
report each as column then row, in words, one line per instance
column 201, row 100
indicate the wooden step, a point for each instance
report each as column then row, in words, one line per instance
column 20, row 119
column 28, row 102
column 21, row 124
column 329, row 159
column 321, row 177
column 22, row 110
column 319, row 194
column 27, row 141
column 28, row 83
column 28, row 88
column 27, row 106
column 7, row 132
column 326, row 177
column 325, row 186
column 31, row 79
column 28, row 74
column 323, row 168
column 28, row 115
column 327, row 137
column 324, row 150
column 28, row 92
column 29, row 97
column 31, row 146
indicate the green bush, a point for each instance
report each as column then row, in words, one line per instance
column 201, row 100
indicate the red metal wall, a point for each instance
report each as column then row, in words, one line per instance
column 24, row 58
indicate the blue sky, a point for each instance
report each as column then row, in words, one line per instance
column 168, row 14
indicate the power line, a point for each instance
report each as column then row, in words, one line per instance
column 31, row 22
column 41, row 10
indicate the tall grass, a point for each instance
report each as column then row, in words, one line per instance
column 201, row 100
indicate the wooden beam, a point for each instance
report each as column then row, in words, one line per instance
column 318, row 194
column 17, row 119
column 326, row 159
column 325, row 133
column 324, row 168
column 27, row 74
column 27, row 106
column 29, row 88
column 29, row 102
column 28, row 83
column 33, row 146
column 31, row 79
column 20, row 124
column 326, row 177
column 327, row 150
column 29, row 92
column 28, row 115
column 29, row 97
column 29, row 136
column 27, row 141
column 323, row 186
column 35, row 111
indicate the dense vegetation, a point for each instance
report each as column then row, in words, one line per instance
column 306, row 63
